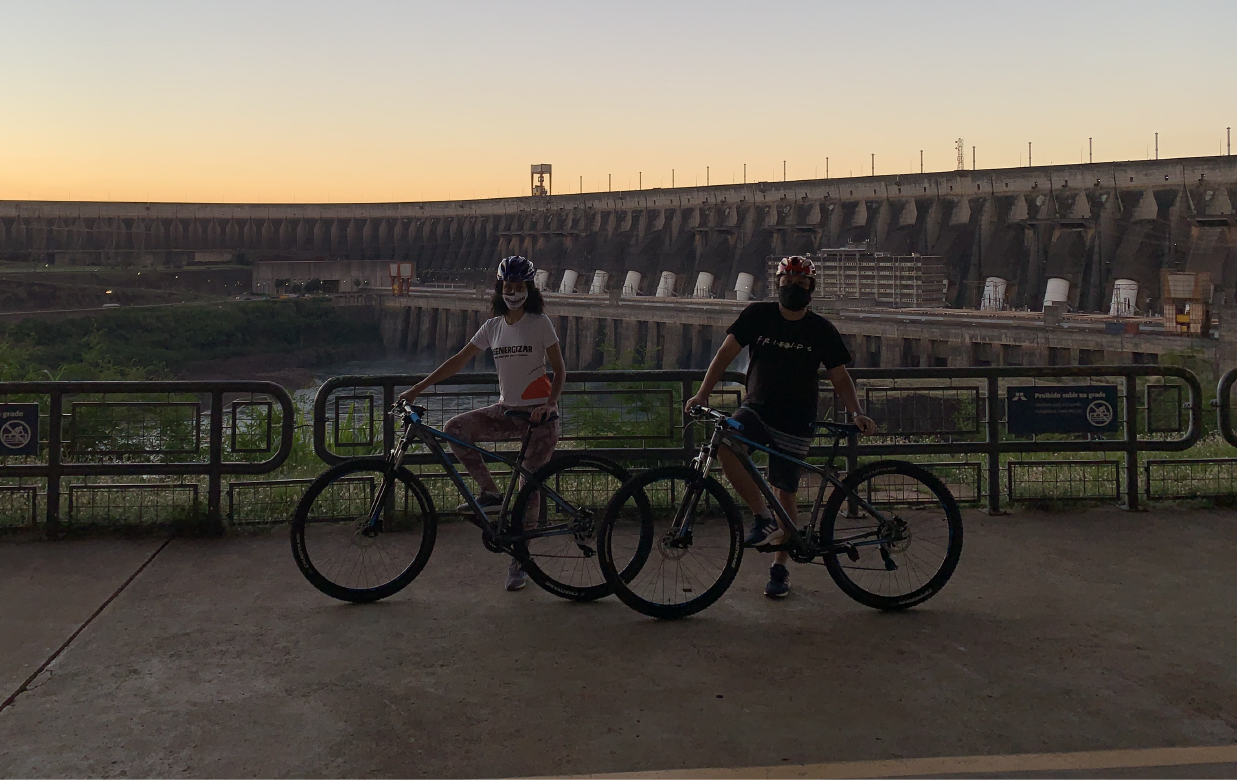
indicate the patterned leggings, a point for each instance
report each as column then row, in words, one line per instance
column 490, row 423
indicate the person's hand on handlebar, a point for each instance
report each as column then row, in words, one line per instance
column 867, row 426
column 409, row 396
column 542, row 413
column 696, row 400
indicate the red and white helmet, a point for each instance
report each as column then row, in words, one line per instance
column 797, row 264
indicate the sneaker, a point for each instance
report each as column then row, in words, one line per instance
column 765, row 530
column 486, row 500
column 779, row 581
column 516, row 578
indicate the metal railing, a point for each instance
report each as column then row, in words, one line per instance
column 662, row 426
column 122, row 437
column 1224, row 406
column 938, row 411
column 140, row 437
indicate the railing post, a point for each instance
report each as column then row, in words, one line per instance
column 54, row 427
column 1131, row 443
column 994, row 445
column 388, row 422
column 214, row 480
column 688, row 439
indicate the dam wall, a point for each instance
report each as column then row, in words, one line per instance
column 621, row 332
column 1088, row 224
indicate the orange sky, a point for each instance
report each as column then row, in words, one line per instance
column 393, row 101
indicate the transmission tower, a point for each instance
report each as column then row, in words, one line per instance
column 961, row 155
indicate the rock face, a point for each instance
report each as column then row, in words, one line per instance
column 1086, row 224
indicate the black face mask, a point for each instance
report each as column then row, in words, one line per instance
column 794, row 297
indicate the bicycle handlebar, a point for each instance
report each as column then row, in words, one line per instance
column 836, row 429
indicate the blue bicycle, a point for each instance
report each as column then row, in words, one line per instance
column 671, row 540
column 366, row 527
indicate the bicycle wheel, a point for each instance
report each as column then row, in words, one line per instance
column 564, row 561
column 665, row 575
column 341, row 552
column 904, row 560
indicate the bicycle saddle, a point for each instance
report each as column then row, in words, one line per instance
column 521, row 414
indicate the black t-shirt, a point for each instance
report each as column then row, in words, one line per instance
column 785, row 355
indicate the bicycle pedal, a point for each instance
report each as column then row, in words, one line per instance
column 768, row 548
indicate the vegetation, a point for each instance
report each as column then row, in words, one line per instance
column 157, row 343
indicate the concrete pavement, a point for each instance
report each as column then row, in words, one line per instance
column 1073, row 631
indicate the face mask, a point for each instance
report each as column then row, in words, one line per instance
column 794, row 297
column 515, row 301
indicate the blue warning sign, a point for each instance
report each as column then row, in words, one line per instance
column 19, row 429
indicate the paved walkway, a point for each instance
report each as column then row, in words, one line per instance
column 1090, row 633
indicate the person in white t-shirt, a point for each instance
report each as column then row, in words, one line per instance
column 522, row 339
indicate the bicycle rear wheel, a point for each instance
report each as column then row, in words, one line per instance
column 904, row 559
column 564, row 561
column 345, row 555
column 654, row 569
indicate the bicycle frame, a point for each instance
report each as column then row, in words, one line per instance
column 431, row 438
column 722, row 434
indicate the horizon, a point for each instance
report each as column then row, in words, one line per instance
column 623, row 193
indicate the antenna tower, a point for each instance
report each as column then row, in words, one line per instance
column 961, row 155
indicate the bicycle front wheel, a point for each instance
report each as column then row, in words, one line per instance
column 903, row 553
column 561, row 552
column 356, row 541
column 671, row 542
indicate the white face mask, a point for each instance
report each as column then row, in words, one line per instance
column 515, row 301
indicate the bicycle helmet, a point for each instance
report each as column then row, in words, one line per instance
column 515, row 269
column 797, row 264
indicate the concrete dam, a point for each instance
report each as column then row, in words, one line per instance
column 1086, row 225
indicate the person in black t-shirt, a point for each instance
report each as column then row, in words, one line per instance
column 787, row 344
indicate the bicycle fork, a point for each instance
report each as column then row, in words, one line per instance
column 680, row 533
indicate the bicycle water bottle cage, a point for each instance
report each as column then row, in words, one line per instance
column 733, row 423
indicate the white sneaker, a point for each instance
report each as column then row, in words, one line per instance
column 516, row 578
column 486, row 500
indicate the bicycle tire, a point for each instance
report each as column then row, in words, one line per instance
column 952, row 517
column 338, row 528
column 557, row 563
column 630, row 585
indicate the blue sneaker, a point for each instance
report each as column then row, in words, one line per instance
column 779, row 582
column 765, row 530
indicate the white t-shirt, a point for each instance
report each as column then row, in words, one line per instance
column 519, row 355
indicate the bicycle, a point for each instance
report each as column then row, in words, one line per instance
column 897, row 520
column 366, row 527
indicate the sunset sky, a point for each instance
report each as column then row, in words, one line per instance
column 379, row 101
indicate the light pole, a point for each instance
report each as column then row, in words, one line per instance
column 1157, row 146
column 921, row 160
column 1090, row 151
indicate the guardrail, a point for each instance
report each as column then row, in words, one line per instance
column 951, row 411
column 1224, row 406
column 670, row 437
column 128, row 437
column 121, row 437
